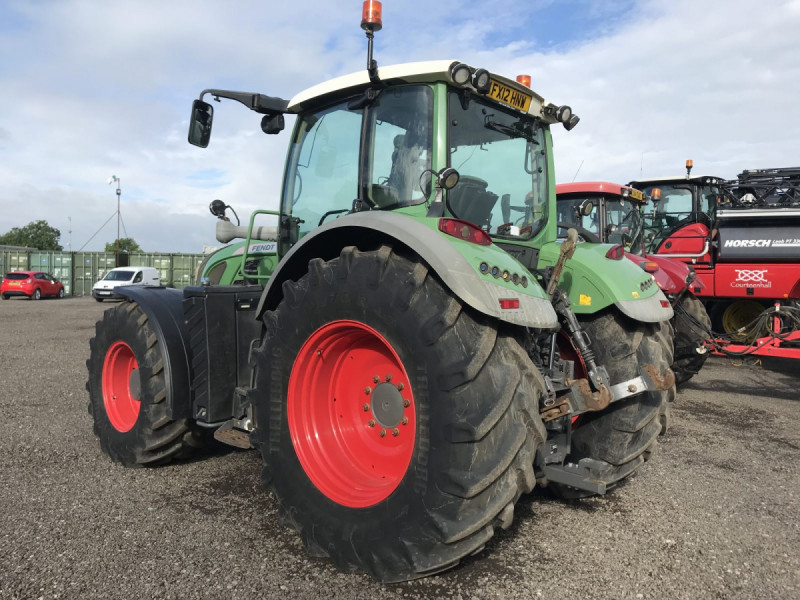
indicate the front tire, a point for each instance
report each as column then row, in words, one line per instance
column 692, row 325
column 127, row 392
column 623, row 436
column 396, row 505
column 61, row 294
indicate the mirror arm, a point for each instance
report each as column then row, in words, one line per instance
column 259, row 103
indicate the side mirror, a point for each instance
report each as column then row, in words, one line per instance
column 586, row 208
column 200, row 123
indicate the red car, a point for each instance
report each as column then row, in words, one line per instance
column 33, row 284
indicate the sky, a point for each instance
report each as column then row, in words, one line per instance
column 94, row 89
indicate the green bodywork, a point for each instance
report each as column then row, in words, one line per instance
column 593, row 281
column 224, row 266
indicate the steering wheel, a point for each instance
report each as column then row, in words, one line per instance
column 587, row 235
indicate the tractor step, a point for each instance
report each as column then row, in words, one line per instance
column 229, row 434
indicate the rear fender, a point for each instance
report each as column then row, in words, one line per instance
column 454, row 261
column 593, row 282
column 164, row 310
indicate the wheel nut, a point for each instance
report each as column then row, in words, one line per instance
column 383, row 433
column 400, row 386
column 405, row 421
column 395, row 432
column 371, row 423
column 376, row 379
column 388, row 378
column 367, row 390
column 406, row 403
column 366, row 407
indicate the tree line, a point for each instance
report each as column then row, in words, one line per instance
column 42, row 236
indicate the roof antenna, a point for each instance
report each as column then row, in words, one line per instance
column 578, row 171
column 370, row 23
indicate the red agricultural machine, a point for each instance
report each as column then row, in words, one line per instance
column 604, row 212
column 742, row 237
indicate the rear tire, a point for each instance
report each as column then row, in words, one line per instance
column 132, row 424
column 5, row 297
column 624, row 435
column 472, row 393
column 688, row 337
column 37, row 294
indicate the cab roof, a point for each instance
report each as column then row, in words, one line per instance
column 426, row 71
column 591, row 187
column 675, row 179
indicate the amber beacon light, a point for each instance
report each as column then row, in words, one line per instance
column 524, row 80
column 371, row 16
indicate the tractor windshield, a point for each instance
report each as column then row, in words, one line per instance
column 501, row 157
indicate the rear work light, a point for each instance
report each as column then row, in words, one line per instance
column 616, row 252
column 464, row 230
column 507, row 303
column 649, row 266
column 664, row 303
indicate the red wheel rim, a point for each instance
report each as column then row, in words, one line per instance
column 122, row 406
column 351, row 414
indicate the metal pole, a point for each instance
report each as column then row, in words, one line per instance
column 119, row 193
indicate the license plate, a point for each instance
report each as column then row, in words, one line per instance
column 636, row 194
column 104, row 293
column 13, row 283
column 509, row 96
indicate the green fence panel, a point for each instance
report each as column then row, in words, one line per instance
column 183, row 269
column 88, row 268
column 79, row 271
column 58, row 264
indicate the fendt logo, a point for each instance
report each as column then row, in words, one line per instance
column 751, row 278
column 747, row 243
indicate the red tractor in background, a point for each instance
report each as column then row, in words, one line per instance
column 742, row 237
column 604, row 212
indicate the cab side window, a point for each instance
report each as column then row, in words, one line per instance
column 138, row 277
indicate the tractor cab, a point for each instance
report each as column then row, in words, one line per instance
column 602, row 212
column 679, row 222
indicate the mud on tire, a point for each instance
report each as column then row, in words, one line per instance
column 624, row 435
column 153, row 438
column 475, row 398
column 692, row 324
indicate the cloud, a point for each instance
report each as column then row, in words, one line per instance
column 102, row 88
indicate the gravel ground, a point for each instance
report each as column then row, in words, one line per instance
column 714, row 514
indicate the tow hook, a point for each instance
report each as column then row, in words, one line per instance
column 581, row 398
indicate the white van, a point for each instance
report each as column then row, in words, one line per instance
column 124, row 276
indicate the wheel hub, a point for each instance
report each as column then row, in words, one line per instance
column 387, row 405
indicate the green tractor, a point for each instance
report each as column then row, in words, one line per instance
column 425, row 352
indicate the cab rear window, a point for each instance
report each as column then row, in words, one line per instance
column 17, row 276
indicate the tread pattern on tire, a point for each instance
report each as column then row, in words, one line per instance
column 688, row 336
column 156, row 438
column 624, row 435
column 478, row 433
